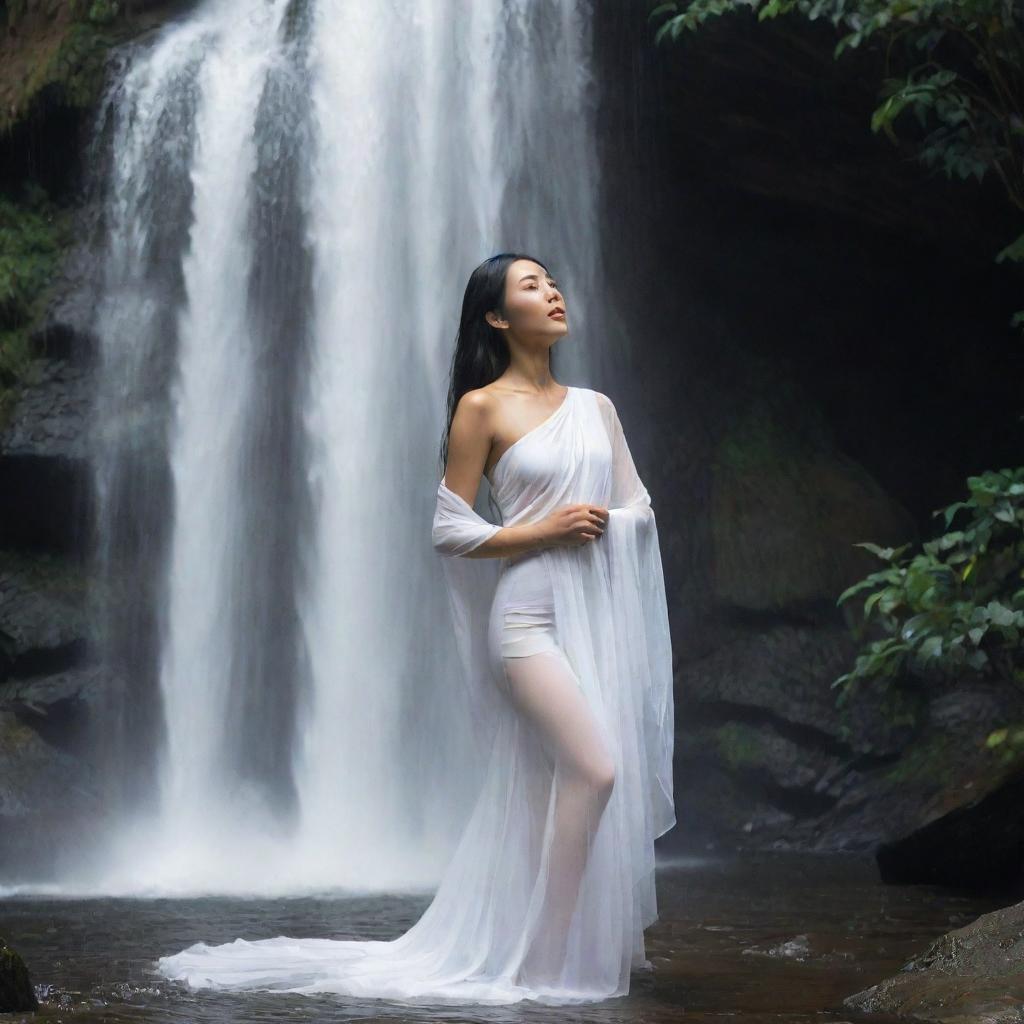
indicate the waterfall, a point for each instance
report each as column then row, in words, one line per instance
column 293, row 195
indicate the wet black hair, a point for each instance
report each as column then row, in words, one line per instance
column 481, row 351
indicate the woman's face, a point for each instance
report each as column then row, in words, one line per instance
column 533, row 304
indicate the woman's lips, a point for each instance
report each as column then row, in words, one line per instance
column 556, row 316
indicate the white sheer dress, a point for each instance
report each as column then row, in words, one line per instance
column 567, row 665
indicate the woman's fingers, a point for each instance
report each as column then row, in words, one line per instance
column 591, row 526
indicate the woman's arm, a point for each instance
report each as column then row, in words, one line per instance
column 469, row 444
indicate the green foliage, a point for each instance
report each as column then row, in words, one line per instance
column 957, row 607
column 77, row 66
column 901, row 703
column 931, row 759
column 738, row 745
column 33, row 235
column 1007, row 744
column 67, row 42
column 103, row 12
column 956, row 65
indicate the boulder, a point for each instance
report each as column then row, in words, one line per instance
column 16, row 992
column 974, row 973
column 978, row 845
column 46, row 795
column 44, row 614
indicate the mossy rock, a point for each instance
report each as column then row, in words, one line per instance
column 54, row 52
column 16, row 992
column 34, row 236
column 931, row 759
column 787, row 510
column 46, row 607
column 739, row 746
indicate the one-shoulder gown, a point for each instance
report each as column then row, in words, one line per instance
column 600, row 607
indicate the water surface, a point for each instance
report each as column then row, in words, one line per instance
column 752, row 939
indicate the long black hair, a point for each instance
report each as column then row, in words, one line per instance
column 481, row 351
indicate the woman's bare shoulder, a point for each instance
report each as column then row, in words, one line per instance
column 478, row 403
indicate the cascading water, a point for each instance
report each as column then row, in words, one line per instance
column 294, row 194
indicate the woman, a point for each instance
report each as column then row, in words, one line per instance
column 562, row 630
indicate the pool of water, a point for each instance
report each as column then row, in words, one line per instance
column 752, row 938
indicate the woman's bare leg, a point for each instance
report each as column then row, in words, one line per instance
column 544, row 688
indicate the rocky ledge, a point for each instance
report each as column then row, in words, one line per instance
column 969, row 975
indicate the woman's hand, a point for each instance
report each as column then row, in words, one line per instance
column 574, row 525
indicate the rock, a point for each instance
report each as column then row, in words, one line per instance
column 784, row 673
column 58, row 707
column 46, row 795
column 722, row 805
column 977, row 845
column 786, row 517
column 781, row 768
column 974, row 973
column 781, row 771
column 44, row 616
column 52, row 55
column 46, row 488
column 42, row 694
column 46, row 503
column 50, row 419
column 37, row 780
column 16, row 992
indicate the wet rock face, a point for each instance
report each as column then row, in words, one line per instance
column 766, row 760
column 979, row 844
column 50, row 693
column 46, row 497
column 973, row 973
column 16, row 992
column 44, row 619
column 52, row 416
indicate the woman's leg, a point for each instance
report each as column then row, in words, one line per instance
column 544, row 688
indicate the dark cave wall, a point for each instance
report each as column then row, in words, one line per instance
column 751, row 214
column 819, row 354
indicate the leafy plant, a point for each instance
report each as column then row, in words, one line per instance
column 957, row 607
column 956, row 65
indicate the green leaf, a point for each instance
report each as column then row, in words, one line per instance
column 1014, row 251
column 661, row 9
column 883, row 553
column 1000, row 614
column 977, row 659
column 662, row 32
column 915, row 626
column 951, row 510
column 857, row 587
column 996, row 737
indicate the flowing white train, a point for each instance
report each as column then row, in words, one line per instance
column 552, row 882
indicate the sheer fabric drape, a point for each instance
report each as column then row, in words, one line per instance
column 552, row 881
